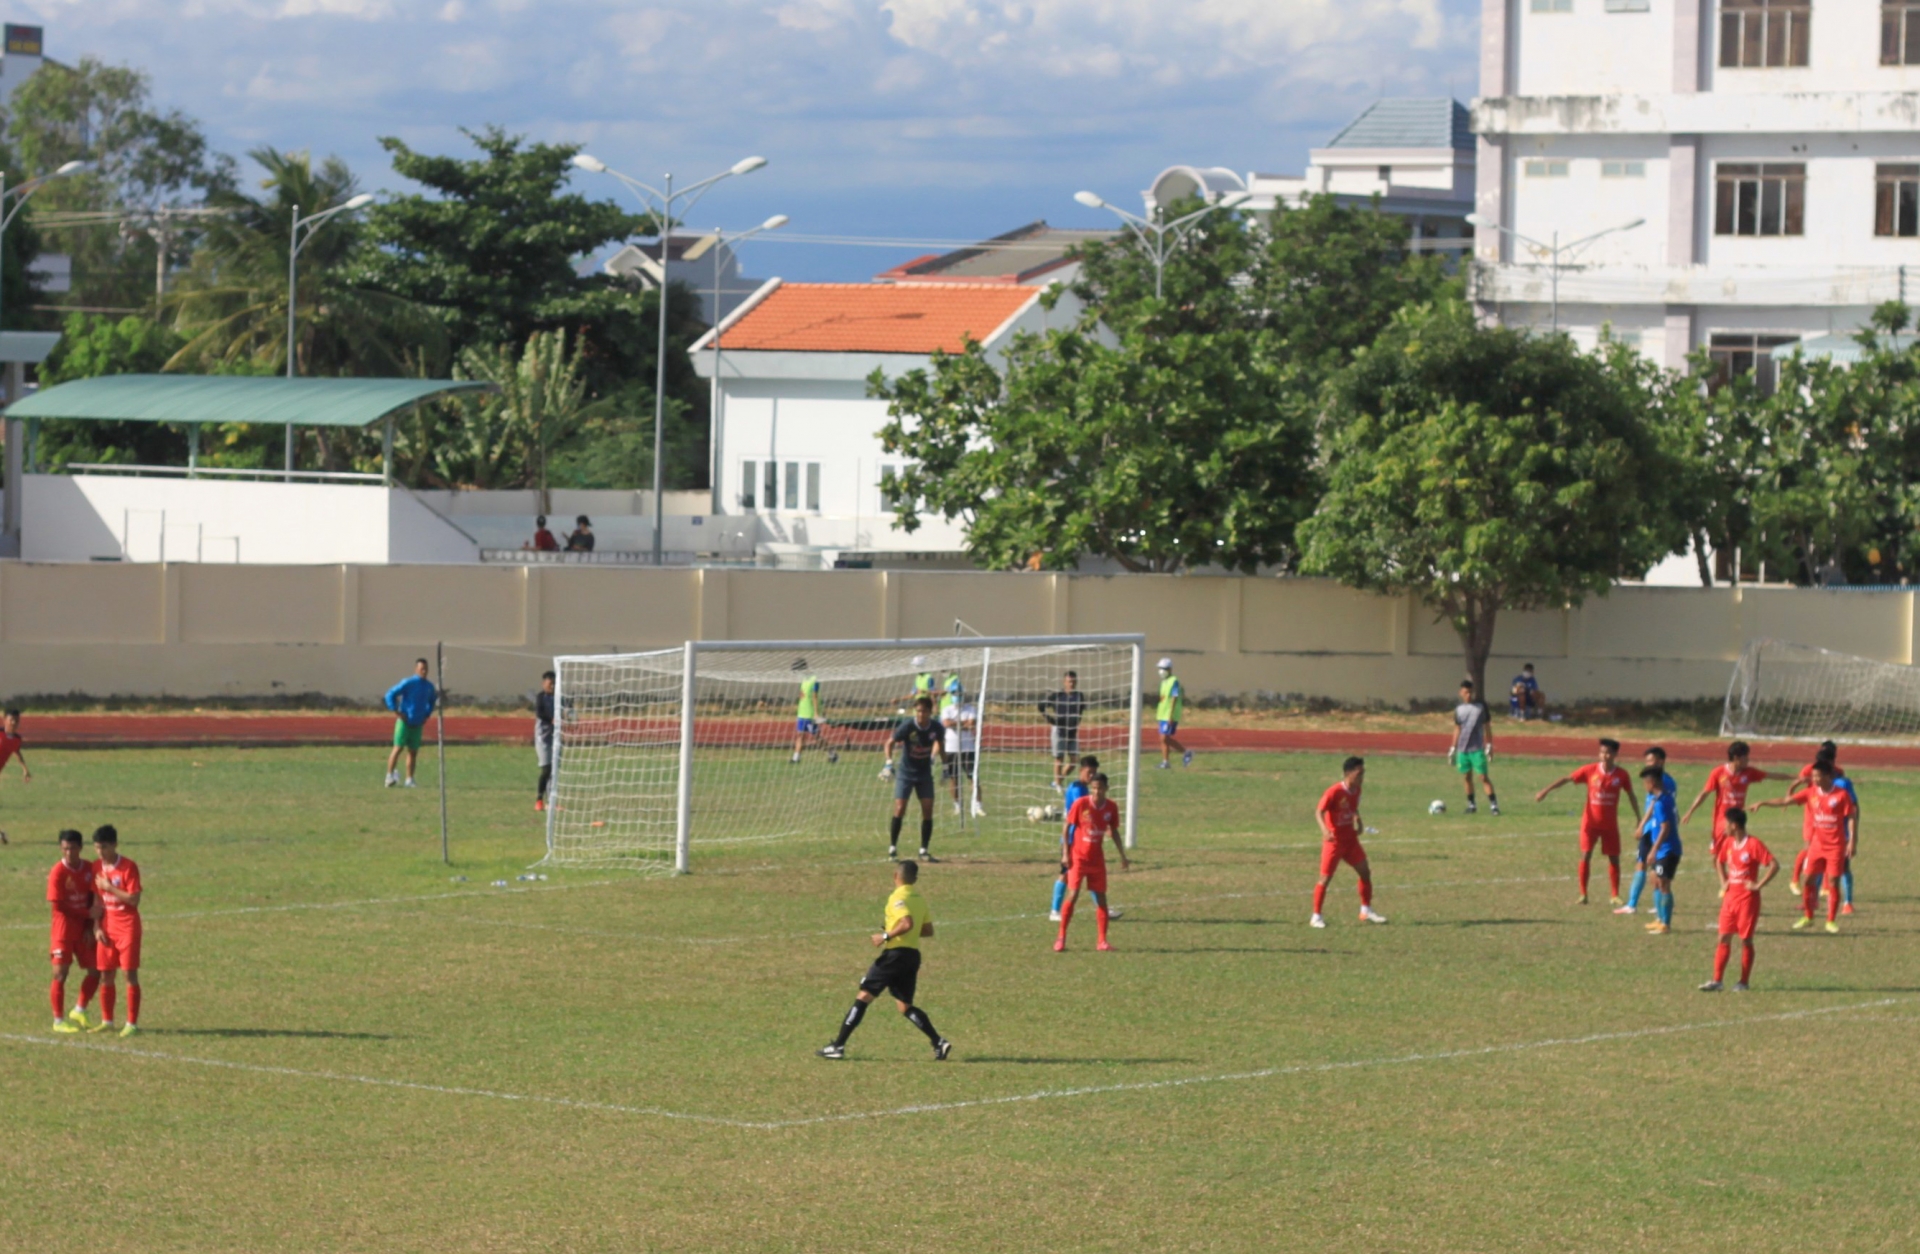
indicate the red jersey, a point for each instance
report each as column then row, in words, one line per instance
column 1092, row 823
column 71, row 892
column 1341, row 805
column 123, row 875
column 1744, row 860
column 1827, row 815
column 9, row 745
column 1729, row 785
column 1603, row 794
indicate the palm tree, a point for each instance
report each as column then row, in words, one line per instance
column 504, row 438
column 231, row 305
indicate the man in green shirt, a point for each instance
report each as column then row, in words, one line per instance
column 807, row 721
column 1173, row 703
column 907, row 922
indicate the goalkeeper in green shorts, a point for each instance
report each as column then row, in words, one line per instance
column 1473, row 743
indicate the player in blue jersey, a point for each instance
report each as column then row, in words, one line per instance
column 1660, row 832
column 1076, row 789
column 1655, row 756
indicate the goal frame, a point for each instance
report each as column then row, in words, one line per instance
column 689, row 676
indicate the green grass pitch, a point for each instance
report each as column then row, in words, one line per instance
column 347, row 1051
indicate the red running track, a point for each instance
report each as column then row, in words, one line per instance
column 102, row 731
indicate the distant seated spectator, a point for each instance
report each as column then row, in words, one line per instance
column 581, row 541
column 543, row 540
column 1525, row 700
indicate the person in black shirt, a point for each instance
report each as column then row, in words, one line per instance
column 581, row 541
column 1063, row 711
column 920, row 738
column 543, row 737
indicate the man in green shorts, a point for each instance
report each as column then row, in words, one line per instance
column 412, row 701
column 1473, row 743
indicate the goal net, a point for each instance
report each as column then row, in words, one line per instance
column 1798, row 692
column 736, row 742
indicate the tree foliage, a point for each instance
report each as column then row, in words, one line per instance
column 1162, row 433
column 1484, row 470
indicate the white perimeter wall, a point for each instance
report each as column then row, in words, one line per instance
column 78, row 518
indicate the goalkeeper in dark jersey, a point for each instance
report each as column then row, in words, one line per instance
column 920, row 738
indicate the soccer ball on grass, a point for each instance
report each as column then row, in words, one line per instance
column 1436, row 807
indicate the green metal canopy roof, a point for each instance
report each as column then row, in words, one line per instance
column 187, row 398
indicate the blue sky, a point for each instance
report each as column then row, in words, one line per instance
column 935, row 119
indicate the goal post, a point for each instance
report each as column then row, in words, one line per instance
column 1791, row 691
column 720, row 743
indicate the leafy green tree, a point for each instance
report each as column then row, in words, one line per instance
column 505, row 438
column 1482, row 470
column 91, row 345
column 1164, row 434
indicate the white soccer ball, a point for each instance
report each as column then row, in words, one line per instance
column 1036, row 813
column 1436, row 807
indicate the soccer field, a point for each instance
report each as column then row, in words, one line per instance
column 344, row 1049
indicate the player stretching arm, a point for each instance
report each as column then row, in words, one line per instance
column 10, row 748
column 1833, row 823
column 1727, row 785
column 1091, row 821
column 1605, row 783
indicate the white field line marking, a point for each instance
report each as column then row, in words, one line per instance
column 1142, row 1086
column 1001, row 918
column 351, row 905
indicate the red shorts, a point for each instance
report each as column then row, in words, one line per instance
column 1608, row 838
column 1092, row 874
column 1831, row 863
column 1739, row 912
column 73, row 940
column 1338, row 849
column 122, row 950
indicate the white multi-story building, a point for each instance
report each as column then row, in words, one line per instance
column 1769, row 151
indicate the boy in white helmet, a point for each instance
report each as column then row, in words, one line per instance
column 1173, row 703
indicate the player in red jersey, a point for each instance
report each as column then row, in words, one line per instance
column 1833, row 820
column 1828, row 752
column 1339, row 817
column 117, row 941
column 1740, row 861
column 1090, row 821
column 1728, row 786
column 10, row 749
column 1605, row 783
column 76, row 910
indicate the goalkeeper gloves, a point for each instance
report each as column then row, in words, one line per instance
column 886, row 772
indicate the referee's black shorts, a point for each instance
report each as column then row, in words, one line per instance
column 895, row 970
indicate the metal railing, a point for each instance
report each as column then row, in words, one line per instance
column 224, row 472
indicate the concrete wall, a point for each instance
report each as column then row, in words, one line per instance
column 350, row 631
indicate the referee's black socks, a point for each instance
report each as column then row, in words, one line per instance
column 918, row 1018
column 851, row 1022
column 893, row 832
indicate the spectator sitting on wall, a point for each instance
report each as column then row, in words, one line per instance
column 1524, row 698
column 543, row 540
column 581, row 541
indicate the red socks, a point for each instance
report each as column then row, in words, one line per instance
column 1809, row 895
column 133, row 1003
column 1319, row 898
column 88, row 987
column 1613, row 877
column 1366, row 892
column 1066, row 917
column 1585, row 869
column 57, row 994
column 1746, row 962
column 1100, row 918
column 1720, row 955
column 106, row 1003
column 1833, row 900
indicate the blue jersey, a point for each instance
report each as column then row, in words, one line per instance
column 1075, row 791
column 1661, row 817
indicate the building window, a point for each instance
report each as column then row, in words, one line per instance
column 770, row 485
column 1544, row 169
column 1623, row 169
column 1742, row 353
column 1553, row 6
column 889, row 503
column 1896, row 200
column 746, row 484
column 1386, row 174
column 813, row 486
column 1899, row 32
column 1628, row 6
column 792, row 498
column 1763, row 33
column 1760, row 200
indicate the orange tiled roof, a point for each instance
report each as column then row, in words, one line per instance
column 874, row 318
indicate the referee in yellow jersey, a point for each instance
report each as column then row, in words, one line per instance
column 897, row 969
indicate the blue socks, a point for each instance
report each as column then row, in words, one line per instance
column 1663, row 907
column 1059, row 895
column 1639, row 886
column 1846, row 887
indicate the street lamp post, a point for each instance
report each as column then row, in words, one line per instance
column 1553, row 252
column 714, row 394
column 295, row 242
column 663, row 213
column 1165, row 236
